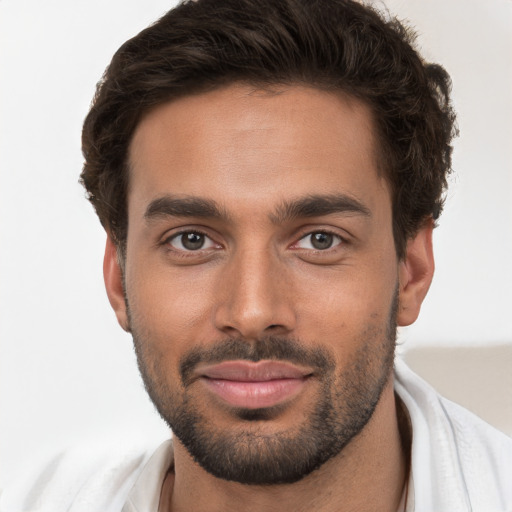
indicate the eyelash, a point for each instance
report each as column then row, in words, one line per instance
column 342, row 240
column 183, row 253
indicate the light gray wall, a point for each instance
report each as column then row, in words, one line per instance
column 66, row 369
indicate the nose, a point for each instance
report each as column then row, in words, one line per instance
column 255, row 299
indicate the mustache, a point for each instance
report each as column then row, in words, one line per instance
column 273, row 348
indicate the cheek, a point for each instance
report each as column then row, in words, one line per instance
column 347, row 305
column 169, row 308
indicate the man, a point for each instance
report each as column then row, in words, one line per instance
column 269, row 175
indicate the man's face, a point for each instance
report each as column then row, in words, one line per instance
column 261, row 276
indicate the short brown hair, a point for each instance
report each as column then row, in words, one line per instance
column 329, row 44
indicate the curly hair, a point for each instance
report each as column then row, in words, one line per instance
column 329, row 44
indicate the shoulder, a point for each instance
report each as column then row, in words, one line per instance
column 485, row 453
column 460, row 457
column 89, row 477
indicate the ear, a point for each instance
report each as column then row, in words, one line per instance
column 415, row 274
column 113, row 277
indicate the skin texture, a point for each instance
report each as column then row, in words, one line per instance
column 259, row 277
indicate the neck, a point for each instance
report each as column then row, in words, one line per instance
column 367, row 476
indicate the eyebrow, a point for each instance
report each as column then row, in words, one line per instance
column 317, row 206
column 304, row 207
column 169, row 206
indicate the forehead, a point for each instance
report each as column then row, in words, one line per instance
column 249, row 148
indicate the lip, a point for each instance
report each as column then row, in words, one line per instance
column 254, row 385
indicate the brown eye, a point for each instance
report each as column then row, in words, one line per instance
column 191, row 241
column 319, row 241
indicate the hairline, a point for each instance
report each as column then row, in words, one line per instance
column 381, row 151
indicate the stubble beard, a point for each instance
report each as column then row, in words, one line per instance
column 345, row 402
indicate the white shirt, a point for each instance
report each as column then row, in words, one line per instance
column 458, row 464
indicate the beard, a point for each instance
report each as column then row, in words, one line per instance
column 342, row 406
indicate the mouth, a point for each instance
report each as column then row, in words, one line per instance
column 252, row 385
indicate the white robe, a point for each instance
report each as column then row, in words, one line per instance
column 458, row 464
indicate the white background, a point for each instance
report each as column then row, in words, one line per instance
column 66, row 368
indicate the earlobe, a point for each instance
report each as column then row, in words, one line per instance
column 113, row 277
column 415, row 274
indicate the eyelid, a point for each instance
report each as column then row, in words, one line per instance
column 166, row 241
column 311, row 230
column 333, row 246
